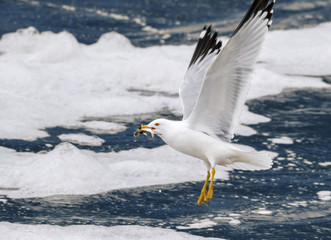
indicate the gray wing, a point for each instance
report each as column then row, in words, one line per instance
column 224, row 88
column 206, row 50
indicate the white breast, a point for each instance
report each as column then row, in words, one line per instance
column 197, row 144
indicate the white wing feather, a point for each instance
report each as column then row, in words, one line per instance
column 190, row 88
column 224, row 87
column 205, row 52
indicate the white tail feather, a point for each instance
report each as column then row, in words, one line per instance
column 251, row 161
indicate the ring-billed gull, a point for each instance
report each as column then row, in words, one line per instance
column 213, row 93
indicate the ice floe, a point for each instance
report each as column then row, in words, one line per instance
column 102, row 127
column 204, row 223
column 324, row 164
column 282, row 140
column 324, row 195
column 82, row 139
column 69, row 170
column 89, row 232
column 262, row 211
column 299, row 51
column 49, row 79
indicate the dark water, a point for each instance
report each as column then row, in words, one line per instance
column 289, row 190
column 180, row 20
column 113, row 142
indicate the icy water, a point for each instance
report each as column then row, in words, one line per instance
column 282, row 203
column 290, row 201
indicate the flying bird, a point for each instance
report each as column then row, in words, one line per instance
column 213, row 93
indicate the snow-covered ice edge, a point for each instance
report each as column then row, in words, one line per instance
column 88, row 232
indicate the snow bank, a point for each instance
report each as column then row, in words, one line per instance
column 299, row 51
column 50, row 79
column 87, row 232
column 101, row 127
column 68, row 170
column 82, row 139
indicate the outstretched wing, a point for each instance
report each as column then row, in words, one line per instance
column 224, row 88
column 205, row 52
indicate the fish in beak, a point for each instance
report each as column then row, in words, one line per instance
column 143, row 129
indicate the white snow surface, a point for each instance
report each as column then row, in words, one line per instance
column 263, row 212
column 89, row 232
column 102, row 127
column 204, row 223
column 69, row 170
column 325, row 164
column 324, row 195
column 282, row 140
column 299, row 51
column 82, row 139
column 49, row 79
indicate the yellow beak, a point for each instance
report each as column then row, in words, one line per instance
column 143, row 129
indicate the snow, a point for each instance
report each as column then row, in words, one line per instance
column 204, row 223
column 214, row 222
column 230, row 220
column 82, row 139
column 324, row 164
column 101, row 127
column 324, row 195
column 262, row 211
column 281, row 140
column 52, row 80
column 298, row 204
column 69, row 170
column 234, row 222
column 299, row 51
column 89, row 232
column 49, row 79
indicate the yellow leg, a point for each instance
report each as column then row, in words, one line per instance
column 211, row 186
column 203, row 196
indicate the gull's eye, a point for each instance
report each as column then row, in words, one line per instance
column 157, row 124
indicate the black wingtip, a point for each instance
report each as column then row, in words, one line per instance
column 256, row 6
column 207, row 44
column 269, row 10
